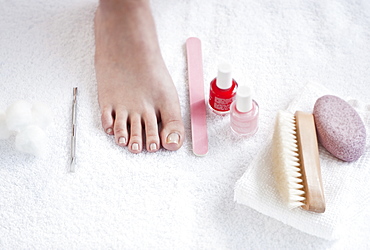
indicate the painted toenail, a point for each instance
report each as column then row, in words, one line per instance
column 153, row 146
column 173, row 138
column 122, row 140
column 135, row 146
column 109, row 130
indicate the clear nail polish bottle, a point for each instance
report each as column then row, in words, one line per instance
column 244, row 113
column 222, row 90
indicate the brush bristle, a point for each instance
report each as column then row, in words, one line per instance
column 285, row 160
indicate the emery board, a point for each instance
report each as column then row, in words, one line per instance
column 196, row 95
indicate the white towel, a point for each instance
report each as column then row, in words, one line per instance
column 166, row 200
column 345, row 184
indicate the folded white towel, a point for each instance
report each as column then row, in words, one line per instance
column 345, row 183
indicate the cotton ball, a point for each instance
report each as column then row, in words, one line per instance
column 19, row 115
column 4, row 131
column 41, row 115
column 32, row 140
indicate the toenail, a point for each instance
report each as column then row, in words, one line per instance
column 153, row 146
column 173, row 138
column 135, row 146
column 109, row 130
column 122, row 140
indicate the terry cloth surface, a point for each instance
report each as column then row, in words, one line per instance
column 343, row 182
column 167, row 200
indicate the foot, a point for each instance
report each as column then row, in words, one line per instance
column 136, row 92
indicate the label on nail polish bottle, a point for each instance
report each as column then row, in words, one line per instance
column 244, row 123
column 221, row 99
column 222, row 104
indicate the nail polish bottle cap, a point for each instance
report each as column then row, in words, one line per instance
column 243, row 98
column 224, row 79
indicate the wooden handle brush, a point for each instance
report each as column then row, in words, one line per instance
column 296, row 161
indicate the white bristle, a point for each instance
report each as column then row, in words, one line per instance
column 285, row 160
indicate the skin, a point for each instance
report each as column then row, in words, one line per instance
column 136, row 92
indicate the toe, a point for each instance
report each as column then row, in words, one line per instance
column 135, row 140
column 120, row 127
column 172, row 134
column 151, row 132
column 107, row 120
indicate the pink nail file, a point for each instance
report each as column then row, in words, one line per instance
column 196, row 93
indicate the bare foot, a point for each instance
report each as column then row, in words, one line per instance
column 135, row 89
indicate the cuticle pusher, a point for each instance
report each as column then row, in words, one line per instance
column 74, row 127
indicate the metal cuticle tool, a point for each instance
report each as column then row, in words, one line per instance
column 74, row 127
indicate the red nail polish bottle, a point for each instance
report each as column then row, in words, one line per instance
column 222, row 90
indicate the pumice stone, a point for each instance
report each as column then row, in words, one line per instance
column 339, row 128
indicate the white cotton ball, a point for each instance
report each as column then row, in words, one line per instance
column 41, row 115
column 4, row 131
column 32, row 140
column 19, row 115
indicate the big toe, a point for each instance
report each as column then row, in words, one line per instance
column 172, row 133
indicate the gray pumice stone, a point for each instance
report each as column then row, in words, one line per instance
column 339, row 128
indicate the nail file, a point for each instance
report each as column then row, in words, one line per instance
column 196, row 93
